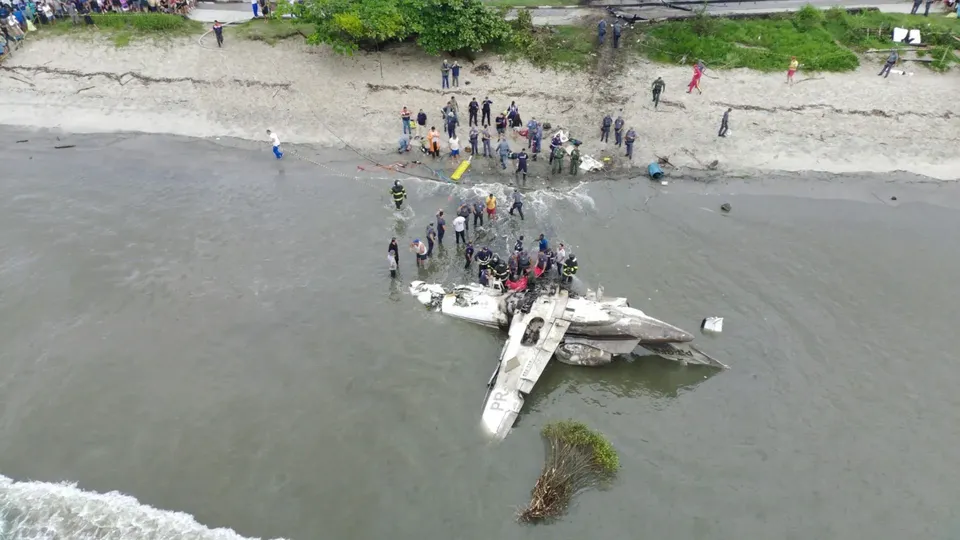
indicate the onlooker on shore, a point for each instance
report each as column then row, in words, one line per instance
column 658, row 87
column 455, row 70
column 218, row 31
column 455, row 149
column 891, row 61
column 405, row 120
column 444, row 75
column 421, row 123
column 695, row 81
column 792, row 69
column 916, row 6
column 724, row 124
column 255, row 5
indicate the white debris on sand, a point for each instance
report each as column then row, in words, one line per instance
column 837, row 123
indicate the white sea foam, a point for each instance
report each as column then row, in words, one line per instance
column 47, row 511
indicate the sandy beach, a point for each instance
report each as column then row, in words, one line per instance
column 855, row 122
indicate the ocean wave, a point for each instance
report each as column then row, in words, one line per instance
column 48, row 511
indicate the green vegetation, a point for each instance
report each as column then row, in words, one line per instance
column 821, row 41
column 533, row 3
column 271, row 31
column 147, row 23
column 577, row 459
column 437, row 26
column 123, row 28
column 558, row 47
column 121, row 38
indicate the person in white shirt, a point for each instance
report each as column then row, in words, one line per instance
column 392, row 263
column 459, row 227
column 454, row 148
column 276, row 144
column 561, row 257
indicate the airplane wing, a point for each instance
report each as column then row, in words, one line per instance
column 685, row 353
column 534, row 337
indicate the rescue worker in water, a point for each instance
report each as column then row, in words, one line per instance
column 569, row 269
column 399, row 193
column 500, row 269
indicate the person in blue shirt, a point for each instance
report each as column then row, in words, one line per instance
column 543, row 243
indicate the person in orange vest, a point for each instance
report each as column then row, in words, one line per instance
column 434, row 138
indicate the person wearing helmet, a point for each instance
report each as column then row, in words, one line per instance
column 569, row 268
column 399, row 193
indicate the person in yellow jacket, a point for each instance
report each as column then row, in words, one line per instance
column 491, row 207
column 792, row 69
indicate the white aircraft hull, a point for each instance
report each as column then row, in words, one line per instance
column 585, row 331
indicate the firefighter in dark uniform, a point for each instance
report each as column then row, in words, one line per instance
column 399, row 193
column 500, row 269
column 569, row 269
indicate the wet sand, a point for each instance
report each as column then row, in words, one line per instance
column 855, row 122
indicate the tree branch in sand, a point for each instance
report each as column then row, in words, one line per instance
column 577, row 459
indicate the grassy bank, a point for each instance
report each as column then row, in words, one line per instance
column 557, row 47
column 822, row 41
column 271, row 31
column 126, row 27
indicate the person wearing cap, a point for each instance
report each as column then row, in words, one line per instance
column 464, row 211
column 468, row 255
column 569, row 269
column 420, row 249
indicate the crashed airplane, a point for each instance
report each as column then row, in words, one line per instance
column 547, row 320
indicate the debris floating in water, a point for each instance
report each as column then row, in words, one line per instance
column 725, row 207
column 712, row 325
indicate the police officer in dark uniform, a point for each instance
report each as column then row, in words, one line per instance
column 399, row 193
column 483, row 259
column 477, row 213
column 468, row 254
column 605, row 128
column 522, row 166
column 464, row 211
column 569, row 269
column 523, row 263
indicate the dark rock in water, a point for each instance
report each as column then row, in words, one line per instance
column 547, row 126
column 893, row 198
column 725, row 207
